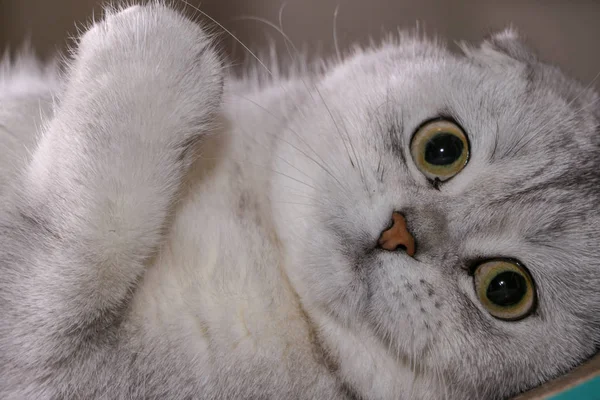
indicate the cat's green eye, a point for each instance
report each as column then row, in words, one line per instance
column 440, row 149
column 505, row 289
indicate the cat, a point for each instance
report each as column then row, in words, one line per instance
column 406, row 223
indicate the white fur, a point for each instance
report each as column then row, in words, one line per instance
column 205, row 235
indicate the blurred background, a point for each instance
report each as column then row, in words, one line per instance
column 563, row 32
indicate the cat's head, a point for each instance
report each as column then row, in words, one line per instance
column 503, row 291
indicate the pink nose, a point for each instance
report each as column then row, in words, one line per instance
column 397, row 236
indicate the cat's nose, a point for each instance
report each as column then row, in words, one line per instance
column 397, row 236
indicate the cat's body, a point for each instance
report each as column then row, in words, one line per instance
column 176, row 236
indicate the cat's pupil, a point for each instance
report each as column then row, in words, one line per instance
column 507, row 289
column 443, row 149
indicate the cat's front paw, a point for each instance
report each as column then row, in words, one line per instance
column 156, row 58
column 154, row 34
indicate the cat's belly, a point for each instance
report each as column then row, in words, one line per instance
column 217, row 292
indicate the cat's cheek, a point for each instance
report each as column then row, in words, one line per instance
column 325, row 279
column 402, row 305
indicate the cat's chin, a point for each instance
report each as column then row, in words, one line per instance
column 370, row 367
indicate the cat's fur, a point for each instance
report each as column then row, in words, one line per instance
column 178, row 233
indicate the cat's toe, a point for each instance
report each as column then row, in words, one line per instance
column 150, row 60
column 155, row 34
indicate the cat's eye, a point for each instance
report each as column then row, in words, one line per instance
column 505, row 289
column 440, row 149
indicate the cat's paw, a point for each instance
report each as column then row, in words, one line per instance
column 154, row 56
column 152, row 33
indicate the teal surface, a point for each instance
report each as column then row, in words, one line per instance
column 588, row 390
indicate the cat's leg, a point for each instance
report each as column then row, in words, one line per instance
column 94, row 202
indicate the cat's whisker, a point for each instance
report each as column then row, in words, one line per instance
column 294, row 203
column 321, row 164
column 442, row 381
column 335, row 36
column 272, row 170
column 294, row 191
column 288, row 42
column 300, row 193
column 342, row 138
column 293, row 166
column 342, row 187
column 400, row 354
column 412, row 364
column 434, row 368
column 237, row 40
column 197, row 9
column 314, row 199
column 316, row 89
column 437, row 370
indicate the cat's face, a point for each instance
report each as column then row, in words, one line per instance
column 527, row 196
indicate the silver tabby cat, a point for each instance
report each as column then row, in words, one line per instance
column 408, row 223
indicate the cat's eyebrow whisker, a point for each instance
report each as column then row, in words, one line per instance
column 358, row 161
column 522, row 142
column 588, row 106
column 585, row 89
column 339, row 59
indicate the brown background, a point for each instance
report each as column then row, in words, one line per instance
column 564, row 32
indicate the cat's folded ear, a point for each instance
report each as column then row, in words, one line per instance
column 501, row 47
column 509, row 43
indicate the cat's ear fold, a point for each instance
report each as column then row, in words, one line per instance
column 509, row 43
column 502, row 47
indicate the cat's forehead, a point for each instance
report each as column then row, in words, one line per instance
column 532, row 131
column 530, row 127
column 513, row 111
column 488, row 83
